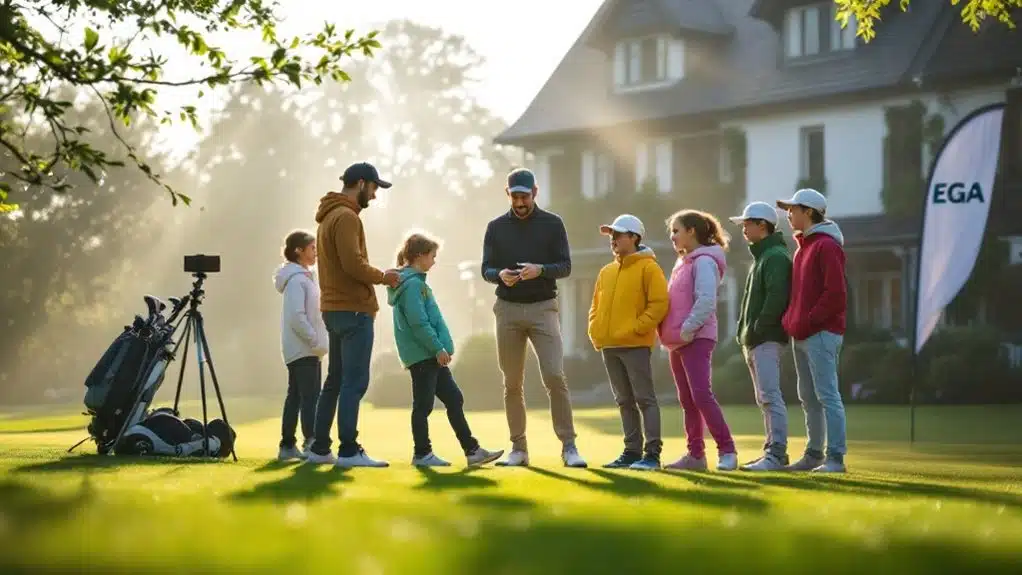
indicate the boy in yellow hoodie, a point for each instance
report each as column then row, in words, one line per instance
column 629, row 301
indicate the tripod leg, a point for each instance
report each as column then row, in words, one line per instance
column 216, row 384
column 183, row 359
column 200, row 353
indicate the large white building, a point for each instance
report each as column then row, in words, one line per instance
column 710, row 104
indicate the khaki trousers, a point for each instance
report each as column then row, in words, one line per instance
column 537, row 323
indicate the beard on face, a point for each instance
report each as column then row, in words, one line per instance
column 363, row 196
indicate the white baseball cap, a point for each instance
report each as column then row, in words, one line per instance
column 757, row 211
column 807, row 198
column 625, row 223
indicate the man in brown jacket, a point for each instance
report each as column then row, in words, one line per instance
column 349, row 306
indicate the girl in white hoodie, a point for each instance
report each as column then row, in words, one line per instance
column 304, row 341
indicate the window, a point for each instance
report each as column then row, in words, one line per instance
column 879, row 300
column 649, row 61
column 813, row 29
column 812, row 152
column 541, row 168
column 725, row 170
column 597, row 174
column 654, row 163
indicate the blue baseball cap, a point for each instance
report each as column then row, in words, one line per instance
column 520, row 181
column 363, row 171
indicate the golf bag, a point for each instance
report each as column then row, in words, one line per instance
column 121, row 386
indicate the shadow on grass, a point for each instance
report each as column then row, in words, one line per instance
column 625, row 485
column 44, row 430
column 304, row 483
column 883, row 487
column 461, row 479
column 28, row 505
column 95, row 462
column 557, row 545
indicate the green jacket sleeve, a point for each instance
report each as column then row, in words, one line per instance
column 413, row 305
column 776, row 271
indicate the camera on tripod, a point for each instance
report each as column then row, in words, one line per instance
column 124, row 382
column 202, row 264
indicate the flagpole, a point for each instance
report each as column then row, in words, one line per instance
column 916, row 370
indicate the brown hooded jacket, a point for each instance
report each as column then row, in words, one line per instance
column 346, row 279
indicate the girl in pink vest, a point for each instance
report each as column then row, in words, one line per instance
column 690, row 333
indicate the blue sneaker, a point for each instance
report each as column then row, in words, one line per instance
column 647, row 463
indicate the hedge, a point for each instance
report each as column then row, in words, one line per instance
column 958, row 365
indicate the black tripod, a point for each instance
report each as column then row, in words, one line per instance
column 195, row 325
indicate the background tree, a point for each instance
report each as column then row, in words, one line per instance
column 52, row 43
column 273, row 154
column 974, row 12
column 73, row 264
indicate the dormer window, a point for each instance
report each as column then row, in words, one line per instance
column 813, row 30
column 648, row 62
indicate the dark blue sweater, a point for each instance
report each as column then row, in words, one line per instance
column 538, row 239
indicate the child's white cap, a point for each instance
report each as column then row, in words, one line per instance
column 757, row 211
column 625, row 223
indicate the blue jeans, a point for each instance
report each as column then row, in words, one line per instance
column 816, row 363
column 347, row 379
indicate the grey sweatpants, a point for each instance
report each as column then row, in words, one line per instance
column 764, row 363
column 631, row 379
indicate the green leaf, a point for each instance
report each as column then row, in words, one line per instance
column 91, row 39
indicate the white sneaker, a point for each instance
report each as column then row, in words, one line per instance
column 429, row 460
column 307, row 448
column 765, row 463
column 831, row 466
column 483, row 456
column 571, row 458
column 316, row 458
column 360, row 459
column 727, row 462
column 289, row 453
column 515, row 459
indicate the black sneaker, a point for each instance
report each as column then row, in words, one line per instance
column 626, row 459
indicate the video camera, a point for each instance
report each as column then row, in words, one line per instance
column 202, row 264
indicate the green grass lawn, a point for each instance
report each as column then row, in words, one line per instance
column 951, row 504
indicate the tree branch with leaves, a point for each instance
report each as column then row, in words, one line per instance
column 974, row 13
column 47, row 45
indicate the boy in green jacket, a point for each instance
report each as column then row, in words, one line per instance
column 425, row 347
column 760, row 333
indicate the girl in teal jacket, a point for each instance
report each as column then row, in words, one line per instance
column 425, row 347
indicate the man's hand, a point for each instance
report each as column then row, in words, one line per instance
column 530, row 271
column 443, row 358
column 509, row 277
column 391, row 278
column 686, row 337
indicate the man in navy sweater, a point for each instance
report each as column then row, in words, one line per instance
column 525, row 252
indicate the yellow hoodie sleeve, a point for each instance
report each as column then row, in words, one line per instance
column 595, row 305
column 655, row 283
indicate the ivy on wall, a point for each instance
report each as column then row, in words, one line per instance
column 911, row 132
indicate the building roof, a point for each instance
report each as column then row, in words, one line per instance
column 743, row 72
column 633, row 18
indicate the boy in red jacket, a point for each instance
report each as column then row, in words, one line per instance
column 815, row 320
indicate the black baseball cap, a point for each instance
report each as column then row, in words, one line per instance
column 363, row 171
column 520, row 181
